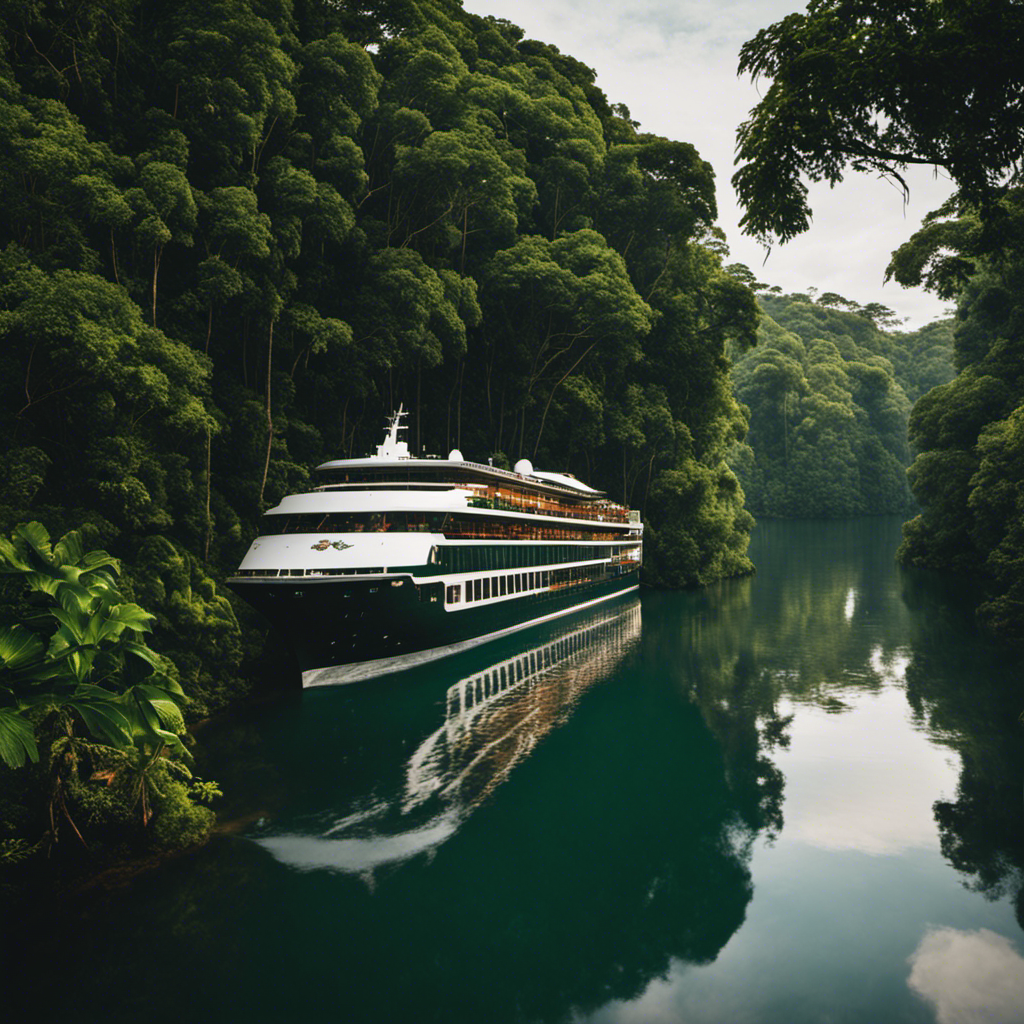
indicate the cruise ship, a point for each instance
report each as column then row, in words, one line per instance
column 392, row 560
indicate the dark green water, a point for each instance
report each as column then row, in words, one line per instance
column 791, row 798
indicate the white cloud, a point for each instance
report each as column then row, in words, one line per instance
column 969, row 977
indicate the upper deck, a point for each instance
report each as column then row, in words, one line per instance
column 554, row 494
column 522, row 490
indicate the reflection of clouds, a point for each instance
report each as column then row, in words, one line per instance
column 890, row 667
column 841, row 792
column 969, row 977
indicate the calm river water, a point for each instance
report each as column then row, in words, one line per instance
column 792, row 798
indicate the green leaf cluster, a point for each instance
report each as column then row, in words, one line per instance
column 869, row 85
column 78, row 682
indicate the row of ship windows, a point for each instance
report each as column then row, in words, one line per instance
column 521, row 583
column 511, row 556
column 476, row 559
column 451, row 524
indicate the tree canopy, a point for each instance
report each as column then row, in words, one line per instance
column 868, row 85
column 235, row 235
column 829, row 395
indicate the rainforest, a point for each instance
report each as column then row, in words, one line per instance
column 235, row 235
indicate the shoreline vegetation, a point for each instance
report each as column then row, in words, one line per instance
column 216, row 273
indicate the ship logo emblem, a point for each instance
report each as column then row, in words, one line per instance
column 323, row 545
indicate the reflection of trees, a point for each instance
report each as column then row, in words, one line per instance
column 969, row 696
column 797, row 633
column 617, row 846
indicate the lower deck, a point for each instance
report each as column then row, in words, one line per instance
column 344, row 629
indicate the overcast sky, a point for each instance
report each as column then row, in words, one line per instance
column 673, row 63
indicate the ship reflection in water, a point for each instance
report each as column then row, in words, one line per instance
column 494, row 718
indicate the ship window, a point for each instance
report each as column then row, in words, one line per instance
column 547, row 577
column 454, row 594
column 477, row 585
column 487, row 589
column 502, row 584
column 529, row 585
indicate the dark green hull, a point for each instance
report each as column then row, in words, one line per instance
column 345, row 630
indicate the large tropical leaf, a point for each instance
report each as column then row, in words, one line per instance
column 93, row 561
column 69, row 550
column 112, row 621
column 36, row 544
column 102, row 714
column 161, row 675
column 12, row 557
column 74, row 597
column 150, row 657
column 148, row 723
column 75, row 626
column 17, row 738
column 20, row 648
column 167, row 710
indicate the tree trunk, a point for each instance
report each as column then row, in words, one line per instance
column 209, row 521
column 552, row 395
column 156, row 269
column 113, row 256
column 465, row 221
column 270, row 421
column 458, row 408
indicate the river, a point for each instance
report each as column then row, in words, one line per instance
column 790, row 798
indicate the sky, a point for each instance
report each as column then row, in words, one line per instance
column 673, row 64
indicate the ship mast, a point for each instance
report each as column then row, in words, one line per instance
column 392, row 448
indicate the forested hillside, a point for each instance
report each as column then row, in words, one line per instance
column 867, row 86
column 969, row 475
column 829, row 389
column 236, row 234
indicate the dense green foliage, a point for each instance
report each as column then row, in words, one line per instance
column 829, row 394
column 871, row 85
column 87, row 700
column 969, row 475
column 235, row 235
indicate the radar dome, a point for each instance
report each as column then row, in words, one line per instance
column 524, row 467
column 455, row 456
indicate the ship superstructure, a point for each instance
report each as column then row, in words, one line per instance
column 393, row 560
